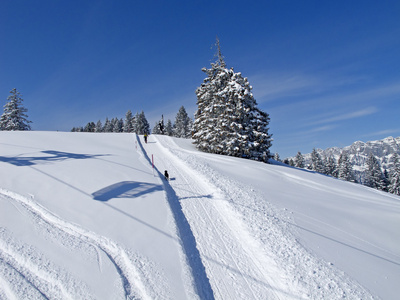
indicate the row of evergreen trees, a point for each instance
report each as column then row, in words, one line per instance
column 138, row 124
column 343, row 169
column 182, row 127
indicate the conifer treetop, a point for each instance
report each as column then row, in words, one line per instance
column 218, row 55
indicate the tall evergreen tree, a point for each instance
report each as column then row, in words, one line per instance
column 90, row 127
column 182, row 124
column 99, row 126
column 14, row 116
column 128, row 126
column 169, row 129
column 316, row 162
column 330, row 166
column 394, row 186
column 374, row 176
column 299, row 160
column 108, row 127
column 228, row 120
column 277, row 157
column 141, row 125
column 345, row 169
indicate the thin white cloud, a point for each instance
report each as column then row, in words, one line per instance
column 348, row 116
column 275, row 86
column 385, row 133
column 321, row 128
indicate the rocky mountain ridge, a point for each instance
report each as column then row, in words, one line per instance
column 359, row 151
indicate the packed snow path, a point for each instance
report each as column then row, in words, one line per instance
column 238, row 265
column 233, row 264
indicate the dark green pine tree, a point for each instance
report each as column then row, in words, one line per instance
column 374, row 177
column 182, row 124
column 169, row 128
column 330, row 166
column 227, row 120
column 141, row 125
column 316, row 162
column 394, row 185
column 299, row 160
column 128, row 127
column 345, row 169
column 14, row 116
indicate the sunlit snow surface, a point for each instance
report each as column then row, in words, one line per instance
column 85, row 216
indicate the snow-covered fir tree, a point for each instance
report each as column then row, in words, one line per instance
column 128, row 126
column 182, row 127
column 108, row 127
column 299, row 160
column 394, row 186
column 345, row 169
column 316, row 162
column 291, row 162
column 169, row 129
column 330, row 166
column 118, row 125
column 374, row 177
column 277, row 157
column 14, row 116
column 227, row 120
column 141, row 124
column 99, row 126
column 90, row 127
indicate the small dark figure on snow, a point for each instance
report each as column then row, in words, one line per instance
column 166, row 175
column 145, row 138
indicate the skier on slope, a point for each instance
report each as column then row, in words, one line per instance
column 145, row 138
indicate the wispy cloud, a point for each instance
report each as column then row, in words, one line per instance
column 321, row 129
column 347, row 116
column 276, row 86
column 386, row 132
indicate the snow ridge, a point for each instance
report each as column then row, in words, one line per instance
column 47, row 286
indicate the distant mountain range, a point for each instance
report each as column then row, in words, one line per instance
column 359, row 151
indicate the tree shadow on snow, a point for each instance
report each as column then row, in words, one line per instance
column 50, row 156
column 126, row 189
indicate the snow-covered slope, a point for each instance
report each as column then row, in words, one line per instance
column 86, row 216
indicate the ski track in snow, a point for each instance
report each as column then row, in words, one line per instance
column 232, row 264
column 40, row 279
column 246, row 257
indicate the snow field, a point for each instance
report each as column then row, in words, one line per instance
column 84, row 216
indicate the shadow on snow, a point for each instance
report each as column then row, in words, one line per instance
column 50, row 156
column 126, row 189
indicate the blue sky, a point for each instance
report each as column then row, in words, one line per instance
column 327, row 72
